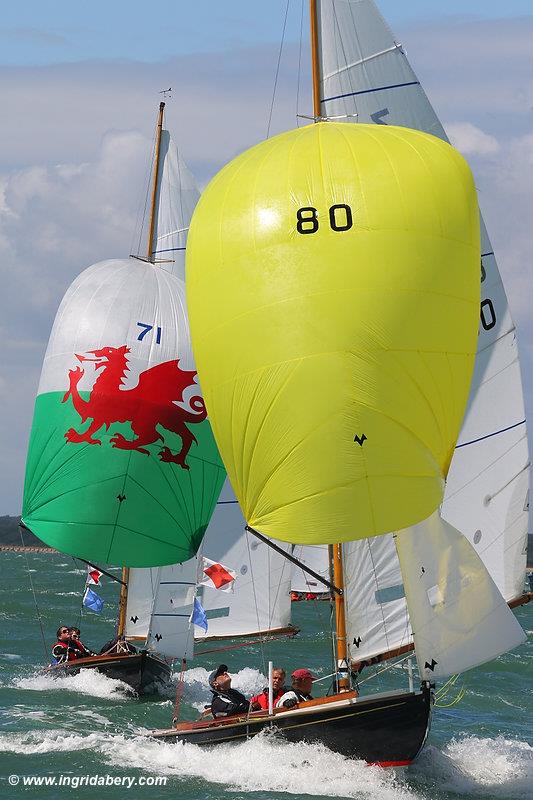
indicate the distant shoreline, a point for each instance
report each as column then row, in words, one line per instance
column 17, row 548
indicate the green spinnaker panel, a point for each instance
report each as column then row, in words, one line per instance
column 122, row 465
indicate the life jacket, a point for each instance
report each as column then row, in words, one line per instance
column 82, row 651
column 63, row 651
column 227, row 703
column 262, row 699
column 292, row 694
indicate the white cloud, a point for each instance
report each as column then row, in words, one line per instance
column 471, row 140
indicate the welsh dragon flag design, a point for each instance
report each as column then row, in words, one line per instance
column 122, row 466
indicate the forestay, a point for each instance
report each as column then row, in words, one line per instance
column 349, row 409
column 122, row 467
column 260, row 600
column 458, row 615
column 365, row 73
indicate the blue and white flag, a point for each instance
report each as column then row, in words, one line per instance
column 92, row 601
column 199, row 617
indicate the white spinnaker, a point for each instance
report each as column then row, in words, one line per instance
column 365, row 72
column 176, row 198
column 376, row 614
column 260, row 600
column 316, row 557
column 142, row 585
column 459, row 616
column 171, row 631
column 116, row 302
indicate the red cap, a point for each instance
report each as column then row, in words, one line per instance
column 300, row 674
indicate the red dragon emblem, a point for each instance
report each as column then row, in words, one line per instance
column 152, row 403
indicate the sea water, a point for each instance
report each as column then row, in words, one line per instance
column 91, row 727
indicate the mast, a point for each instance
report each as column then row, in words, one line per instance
column 335, row 550
column 315, row 61
column 335, row 554
column 123, row 601
column 153, row 212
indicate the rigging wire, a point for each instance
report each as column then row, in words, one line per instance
column 136, row 243
column 261, row 647
column 390, row 665
column 277, row 69
column 43, row 637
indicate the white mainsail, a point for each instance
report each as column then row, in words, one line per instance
column 176, row 198
column 171, row 633
column 377, row 620
column 260, row 600
column 142, row 585
column 366, row 78
column 459, row 616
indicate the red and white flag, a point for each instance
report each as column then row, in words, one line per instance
column 93, row 576
column 217, row 576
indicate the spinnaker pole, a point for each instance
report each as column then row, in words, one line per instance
column 153, row 211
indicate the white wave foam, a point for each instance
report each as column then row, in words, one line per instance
column 196, row 687
column 93, row 716
column 476, row 767
column 10, row 657
column 53, row 741
column 88, row 681
column 263, row 764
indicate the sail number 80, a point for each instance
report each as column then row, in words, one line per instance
column 340, row 218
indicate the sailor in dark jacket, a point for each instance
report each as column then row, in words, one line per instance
column 226, row 701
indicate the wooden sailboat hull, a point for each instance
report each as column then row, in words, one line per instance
column 388, row 729
column 143, row 671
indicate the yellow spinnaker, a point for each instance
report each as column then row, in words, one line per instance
column 333, row 288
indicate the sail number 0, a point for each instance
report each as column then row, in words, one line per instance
column 340, row 218
column 487, row 312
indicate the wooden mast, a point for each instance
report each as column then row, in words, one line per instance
column 335, row 550
column 153, row 210
column 341, row 642
column 315, row 61
column 123, row 601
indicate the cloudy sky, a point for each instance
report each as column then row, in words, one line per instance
column 79, row 88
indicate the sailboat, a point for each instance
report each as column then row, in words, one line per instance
column 366, row 77
column 122, row 467
column 456, row 610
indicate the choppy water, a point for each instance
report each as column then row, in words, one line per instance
column 90, row 725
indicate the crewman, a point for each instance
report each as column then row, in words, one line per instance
column 302, row 683
column 77, row 644
column 226, row 701
column 63, row 650
column 260, row 701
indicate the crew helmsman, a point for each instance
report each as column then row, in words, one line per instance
column 302, row 683
column 226, row 701
column 63, row 650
